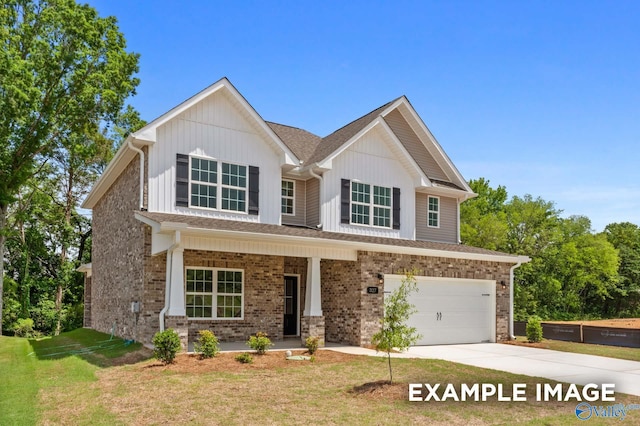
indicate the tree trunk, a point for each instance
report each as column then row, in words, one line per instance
column 390, row 371
column 3, row 225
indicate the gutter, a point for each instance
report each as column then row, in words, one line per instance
column 141, row 154
column 521, row 260
column 317, row 176
column 167, row 288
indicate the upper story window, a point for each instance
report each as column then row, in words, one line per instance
column 214, row 184
column 227, row 193
column 365, row 204
column 370, row 210
column 433, row 219
column 288, row 197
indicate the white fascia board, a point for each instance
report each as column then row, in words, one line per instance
column 354, row 245
column 85, row 269
column 435, row 143
column 351, row 141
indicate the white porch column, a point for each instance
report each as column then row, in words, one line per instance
column 313, row 303
column 176, row 292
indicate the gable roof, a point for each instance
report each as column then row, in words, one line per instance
column 301, row 142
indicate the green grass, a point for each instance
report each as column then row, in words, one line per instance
column 632, row 354
column 63, row 365
column 58, row 381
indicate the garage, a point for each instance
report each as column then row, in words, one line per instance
column 450, row 310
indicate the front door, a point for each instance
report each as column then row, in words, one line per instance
column 290, row 306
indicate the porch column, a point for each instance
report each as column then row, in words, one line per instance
column 312, row 319
column 176, row 292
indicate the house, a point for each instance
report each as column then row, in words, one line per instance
column 210, row 217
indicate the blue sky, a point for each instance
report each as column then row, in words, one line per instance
column 542, row 97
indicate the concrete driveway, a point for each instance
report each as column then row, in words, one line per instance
column 561, row 366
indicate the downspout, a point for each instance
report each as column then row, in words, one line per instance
column 141, row 152
column 317, row 176
column 513, row 268
column 167, row 288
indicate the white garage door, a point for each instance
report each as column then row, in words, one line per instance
column 451, row 311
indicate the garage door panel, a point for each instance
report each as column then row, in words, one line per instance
column 451, row 311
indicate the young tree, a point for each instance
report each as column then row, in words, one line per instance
column 395, row 333
column 64, row 71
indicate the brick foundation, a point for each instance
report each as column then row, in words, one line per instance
column 312, row 327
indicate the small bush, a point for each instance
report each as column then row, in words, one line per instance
column 534, row 329
column 312, row 344
column 24, row 328
column 260, row 343
column 166, row 345
column 207, row 344
column 244, row 358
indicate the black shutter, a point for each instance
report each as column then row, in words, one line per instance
column 396, row 208
column 254, row 190
column 345, row 197
column 182, row 180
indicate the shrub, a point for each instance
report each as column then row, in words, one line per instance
column 166, row 345
column 534, row 329
column 312, row 343
column 244, row 358
column 24, row 328
column 207, row 344
column 260, row 343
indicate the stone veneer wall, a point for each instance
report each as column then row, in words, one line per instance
column 352, row 316
column 117, row 256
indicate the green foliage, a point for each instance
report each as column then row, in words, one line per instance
column 260, row 343
column 534, row 329
column 24, row 328
column 166, row 345
column 312, row 343
column 207, row 344
column 395, row 333
column 244, row 358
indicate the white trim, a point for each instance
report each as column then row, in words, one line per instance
column 219, row 185
column 371, row 204
column 297, row 276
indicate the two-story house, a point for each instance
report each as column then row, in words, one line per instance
column 210, row 217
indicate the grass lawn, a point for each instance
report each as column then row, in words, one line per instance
column 57, row 381
column 632, row 354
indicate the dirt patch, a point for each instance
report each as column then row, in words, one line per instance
column 381, row 389
column 225, row 361
column 617, row 323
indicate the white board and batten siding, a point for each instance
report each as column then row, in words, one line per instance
column 451, row 310
column 369, row 160
column 447, row 231
column 213, row 128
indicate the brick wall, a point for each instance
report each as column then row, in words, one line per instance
column 117, row 256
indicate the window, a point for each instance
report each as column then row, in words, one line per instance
column 433, row 211
column 206, row 300
column 227, row 193
column 368, row 210
column 288, row 196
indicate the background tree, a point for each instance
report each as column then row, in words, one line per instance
column 64, row 76
column 625, row 237
column 483, row 219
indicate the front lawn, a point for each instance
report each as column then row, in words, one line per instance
column 73, row 387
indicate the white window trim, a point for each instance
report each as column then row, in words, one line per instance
column 214, row 293
column 371, row 205
column 293, row 198
column 431, row 211
column 219, row 186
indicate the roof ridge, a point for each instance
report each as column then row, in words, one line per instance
column 363, row 116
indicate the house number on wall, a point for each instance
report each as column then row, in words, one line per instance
column 372, row 290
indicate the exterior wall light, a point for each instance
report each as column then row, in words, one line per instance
column 504, row 286
column 380, row 278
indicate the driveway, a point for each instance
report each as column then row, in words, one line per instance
column 561, row 366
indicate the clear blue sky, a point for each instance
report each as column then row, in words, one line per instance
column 542, row 97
